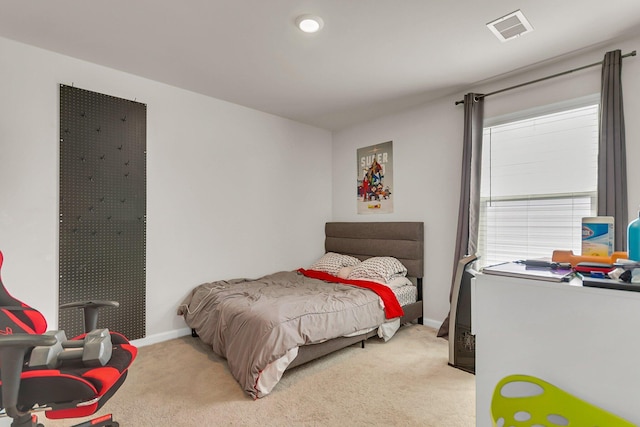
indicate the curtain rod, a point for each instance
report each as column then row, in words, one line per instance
column 546, row 78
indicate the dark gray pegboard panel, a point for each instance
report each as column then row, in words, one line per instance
column 102, row 209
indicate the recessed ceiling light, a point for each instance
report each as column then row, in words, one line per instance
column 309, row 23
column 510, row 26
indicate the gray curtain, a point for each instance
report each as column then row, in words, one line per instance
column 612, row 167
column 469, row 206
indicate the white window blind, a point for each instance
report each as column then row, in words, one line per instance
column 539, row 179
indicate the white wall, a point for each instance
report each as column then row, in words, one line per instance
column 228, row 188
column 426, row 171
column 427, row 156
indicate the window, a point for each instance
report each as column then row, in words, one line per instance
column 539, row 179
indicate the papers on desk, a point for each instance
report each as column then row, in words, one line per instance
column 519, row 269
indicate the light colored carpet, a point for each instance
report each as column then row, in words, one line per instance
column 404, row 382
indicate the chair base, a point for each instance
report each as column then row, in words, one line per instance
column 27, row 420
column 32, row 421
column 103, row 421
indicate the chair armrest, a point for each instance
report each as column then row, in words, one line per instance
column 12, row 352
column 90, row 309
column 24, row 341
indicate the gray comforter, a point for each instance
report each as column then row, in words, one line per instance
column 251, row 323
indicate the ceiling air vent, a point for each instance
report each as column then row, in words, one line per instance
column 510, row 26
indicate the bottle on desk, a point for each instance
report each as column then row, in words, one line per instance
column 633, row 239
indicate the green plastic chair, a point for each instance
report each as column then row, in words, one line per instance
column 526, row 401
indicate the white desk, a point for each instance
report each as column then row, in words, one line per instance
column 583, row 340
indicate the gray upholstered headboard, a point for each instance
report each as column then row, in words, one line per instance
column 402, row 240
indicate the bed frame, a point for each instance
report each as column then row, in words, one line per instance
column 402, row 240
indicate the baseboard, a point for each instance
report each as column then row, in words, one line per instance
column 435, row 324
column 161, row 337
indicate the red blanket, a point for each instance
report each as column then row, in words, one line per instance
column 392, row 307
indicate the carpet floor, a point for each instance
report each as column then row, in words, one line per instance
column 404, row 382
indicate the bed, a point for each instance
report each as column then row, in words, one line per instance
column 267, row 325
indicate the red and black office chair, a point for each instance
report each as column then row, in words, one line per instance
column 45, row 372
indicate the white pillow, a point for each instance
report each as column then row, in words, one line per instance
column 399, row 282
column 332, row 262
column 383, row 269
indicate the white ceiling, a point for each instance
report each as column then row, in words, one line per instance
column 372, row 58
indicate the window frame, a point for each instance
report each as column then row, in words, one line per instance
column 588, row 100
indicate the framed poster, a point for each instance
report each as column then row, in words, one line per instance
column 375, row 179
